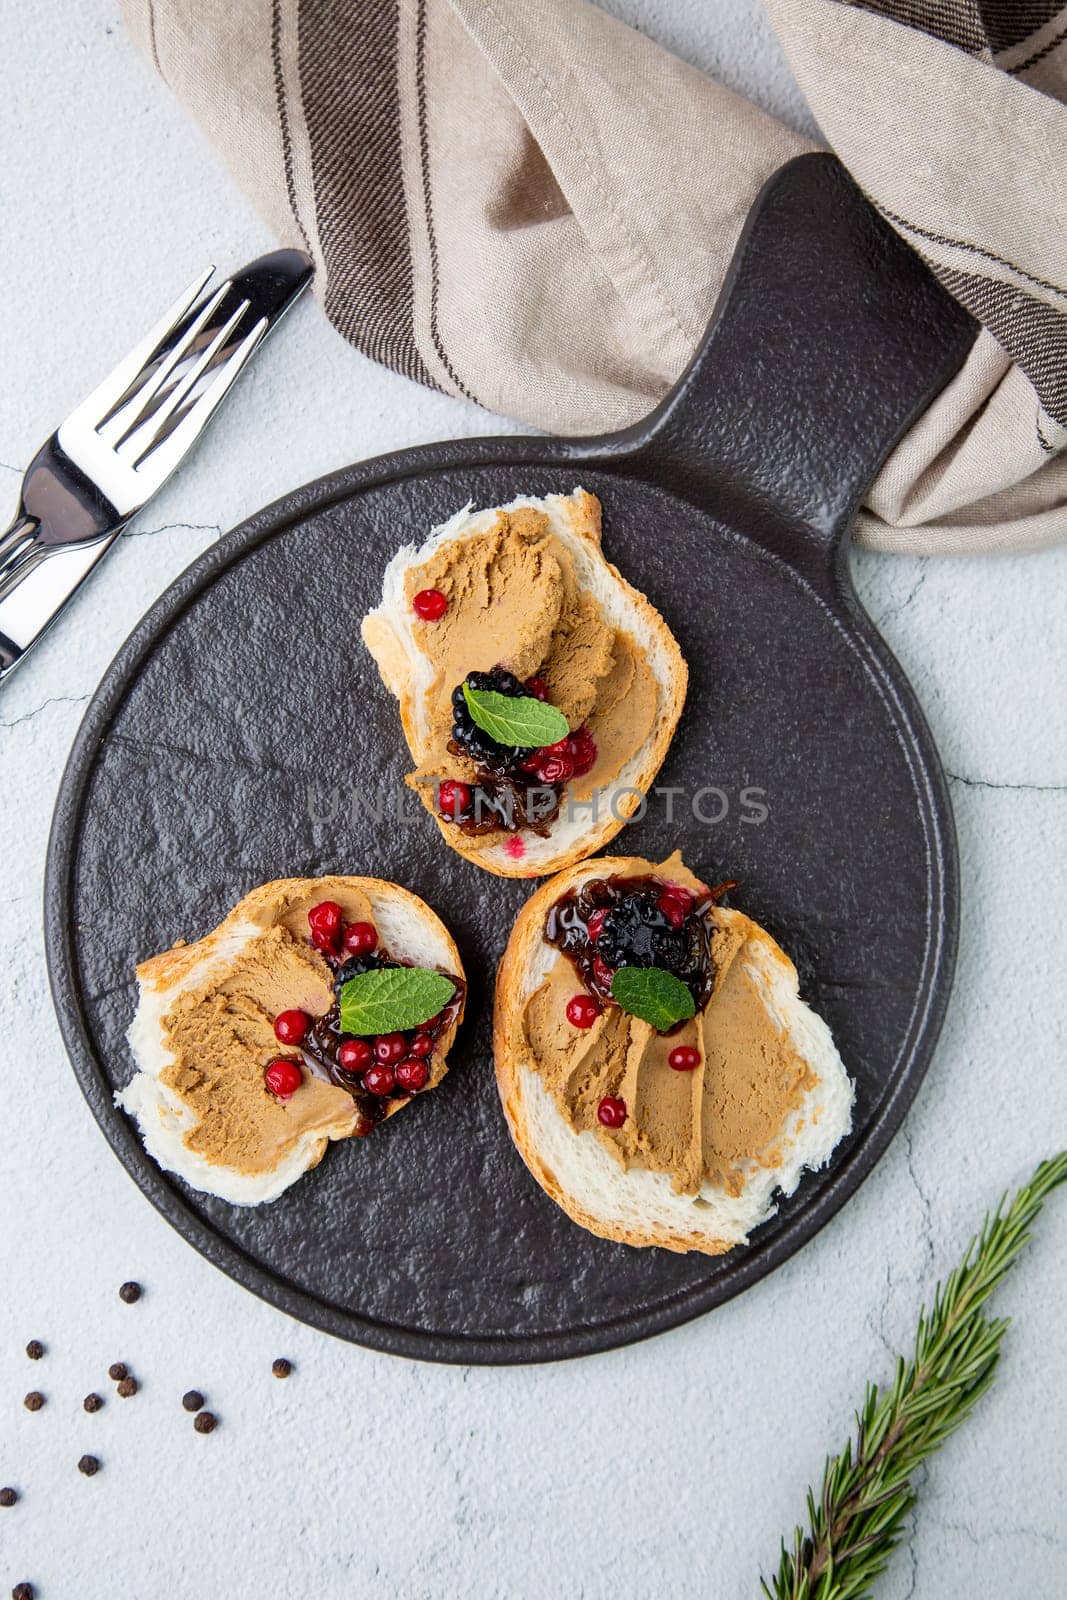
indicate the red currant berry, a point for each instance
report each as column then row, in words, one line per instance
column 538, row 688
column 421, row 1045
column 453, row 798
column 390, row 1048
column 602, row 973
column 430, row 605
column 379, row 1080
column 412, row 1074
column 283, row 1077
column 582, row 1010
column 355, row 1054
column 675, row 903
column 324, row 920
column 556, row 769
column 291, row 1026
column 583, row 752
column 611, row 1112
column 684, row 1058
column 596, row 923
column 360, row 938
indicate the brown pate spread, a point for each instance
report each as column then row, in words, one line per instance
column 703, row 1124
column 515, row 600
column 221, row 1034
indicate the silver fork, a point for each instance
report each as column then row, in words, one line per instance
column 121, row 444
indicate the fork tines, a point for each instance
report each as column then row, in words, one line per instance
column 145, row 416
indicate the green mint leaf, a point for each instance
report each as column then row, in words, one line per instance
column 656, row 996
column 516, row 719
column 390, row 999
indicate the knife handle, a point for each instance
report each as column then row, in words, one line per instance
column 36, row 581
column 17, row 551
column 15, row 544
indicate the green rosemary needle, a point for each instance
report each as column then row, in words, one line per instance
column 857, row 1520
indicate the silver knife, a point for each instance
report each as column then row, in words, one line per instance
column 121, row 445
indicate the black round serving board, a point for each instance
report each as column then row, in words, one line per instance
column 233, row 737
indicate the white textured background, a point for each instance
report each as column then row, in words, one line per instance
column 669, row 1468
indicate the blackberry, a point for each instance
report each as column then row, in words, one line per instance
column 355, row 966
column 620, row 922
column 474, row 741
column 636, row 933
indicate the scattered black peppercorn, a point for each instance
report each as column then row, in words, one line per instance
column 89, row 1465
column 281, row 1368
column 8, row 1497
column 205, row 1421
column 93, row 1402
column 23, row 1591
column 118, row 1370
column 34, row 1400
column 127, row 1387
column 130, row 1292
column 35, row 1349
column 193, row 1400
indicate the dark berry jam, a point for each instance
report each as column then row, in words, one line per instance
column 325, row 1037
column 515, row 786
column 473, row 741
column 607, row 923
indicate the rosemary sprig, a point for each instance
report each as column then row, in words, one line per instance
column 867, row 1491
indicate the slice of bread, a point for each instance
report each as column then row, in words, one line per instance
column 638, row 1206
column 390, row 633
column 265, row 920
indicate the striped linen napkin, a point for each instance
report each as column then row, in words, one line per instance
column 530, row 204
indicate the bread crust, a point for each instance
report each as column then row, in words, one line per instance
column 510, row 1050
column 583, row 513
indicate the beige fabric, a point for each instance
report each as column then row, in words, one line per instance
column 525, row 202
column 969, row 161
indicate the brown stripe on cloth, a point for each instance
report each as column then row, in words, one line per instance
column 1033, row 333
column 1009, row 22
column 1046, row 444
column 981, row 27
column 352, row 111
column 1037, row 56
column 929, row 236
column 282, row 101
column 427, row 192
